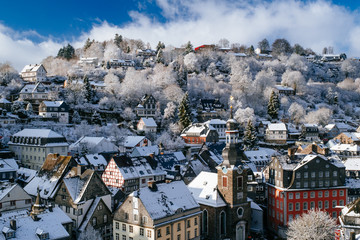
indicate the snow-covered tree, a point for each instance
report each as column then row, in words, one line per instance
column 169, row 142
column 169, row 112
column 76, row 119
column 321, row 116
column 111, row 51
column 250, row 136
column 296, row 112
column 313, row 225
column 192, row 63
column 88, row 91
column 294, row 79
column 184, row 112
column 112, row 84
column 128, row 114
column 244, row 115
column 273, row 105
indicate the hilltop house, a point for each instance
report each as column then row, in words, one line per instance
column 209, row 109
column 276, row 133
column 146, row 107
column 147, row 125
column 33, row 73
column 58, row 110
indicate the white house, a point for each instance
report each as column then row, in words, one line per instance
column 13, row 197
column 33, row 73
column 147, row 125
column 31, row 146
column 219, row 125
column 135, row 141
column 55, row 109
column 276, row 133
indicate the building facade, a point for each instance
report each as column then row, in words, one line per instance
column 296, row 186
column 58, row 110
column 199, row 133
column 31, row 146
column 33, row 73
column 158, row 212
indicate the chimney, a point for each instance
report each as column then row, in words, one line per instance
column 152, row 185
column 13, row 224
column 78, row 170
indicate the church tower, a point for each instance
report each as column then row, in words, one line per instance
column 232, row 186
column 232, row 176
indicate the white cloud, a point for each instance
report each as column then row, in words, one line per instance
column 313, row 24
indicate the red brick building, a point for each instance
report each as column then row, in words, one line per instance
column 296, row 186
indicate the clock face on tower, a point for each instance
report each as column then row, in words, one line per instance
column 224, row 170
column 239, row 170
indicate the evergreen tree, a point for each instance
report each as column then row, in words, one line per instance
column 67, row 52
column 88, row 92
column 184, row 112
column 76, row 117
column 273, row 105
column 251, row 50
column 160, row 46
column 250, row 136
column 188, row 48
column 96, row 118
column 160, row 56
column 118, row 39
column 87, row 44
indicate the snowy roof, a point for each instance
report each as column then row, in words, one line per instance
column 311, row 157
column 44, row 133
column 31, row 68
column 165, row 200
column 137, row 167
column 85, row 139
column 197, row 129
column 149, row 122
column 52, row 171
column 169, row 160
column 204, row 190
column 5, row 188
column 352, row 164
column 261, row 154
column 26, row 227
column 94, row 159
column 277, row 127
column 7, row 165
column 345, row 147
column 352, row 183
column 26, row 174
column 132, row 141
column 215, row 121
column 145, row 151
column 53, row 103
column 33, row 88
column 330, row 126
column 3, row 100
column 284, row 88
column 75, row 186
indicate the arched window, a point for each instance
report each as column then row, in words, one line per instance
column 205, row 222
column 222, row 223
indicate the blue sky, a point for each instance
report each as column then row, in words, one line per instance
column 31, row 31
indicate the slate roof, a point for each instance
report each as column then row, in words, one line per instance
column 8, row 165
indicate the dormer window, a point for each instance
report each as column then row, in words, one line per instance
column 42, row 234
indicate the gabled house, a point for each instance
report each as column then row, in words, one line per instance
column 93, row 145
column 146, row 107
column 260, row 157
column 331, row 131
column 13, row 197
column 158, row 212
column 79, row 195
column 312, row 148
column 348, row 138
column 8, row 169
column 5, row 104
column 219, row 125
column 131, row 142
column 7, row 119
column 310, row 132
column 276, row 133
column 35, row 94
column 199, row 133
column 209, row 109
column 145, row 151
column 296, row 186
column 32, row 146
column 33, row 73
column 346, row 150
column 148, row 125
column 47, row 181
column 350, row 220
column 58, row 110
column 130, row 174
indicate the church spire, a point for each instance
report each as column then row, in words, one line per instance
column 38, row 207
